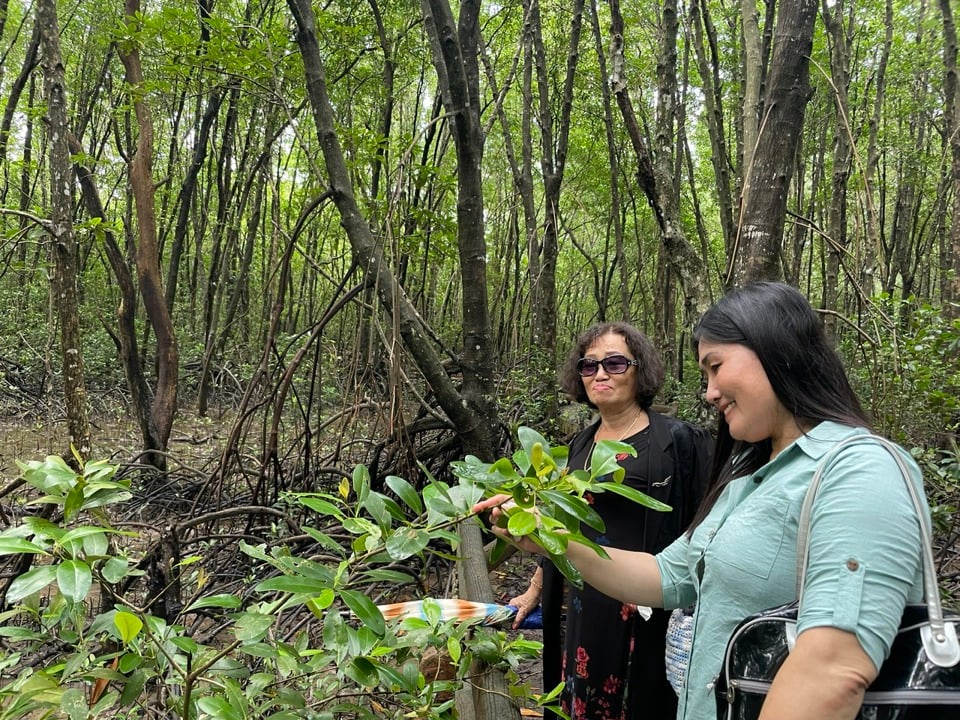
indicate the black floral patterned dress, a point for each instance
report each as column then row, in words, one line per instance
column 610, row 659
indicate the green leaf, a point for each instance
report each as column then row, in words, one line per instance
column 74, row 704
column 321, row 602
column 30, row 582
column 569, row 571
column 72, row 539
column 522, row 523
column 230, row 602
column 251, row 626
column 365, row 610
column 575, row 506
column 394, row 577
column 74, row 579
column 635, row 495
column 128, row 625
column 361, row 483
column 129, row 662
column 360, row 526
column 42, row 528
column 553, row 542
column 50, row 475
column 529, row 438
column 321, row 506
column 187, row 644
column 407, row 541
column 375, row 505
column 454, row 648
column 604, row 461
column 218, row 707
column 293, row 584
column 325, row 541
column 17, row 546
column 406, row 492
column 132, row 688
column 436, row 496
column 115, row 569
column 362, row 671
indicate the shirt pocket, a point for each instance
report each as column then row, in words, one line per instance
column 752, row 537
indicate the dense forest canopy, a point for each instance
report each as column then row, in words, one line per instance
column 369, row 232
column 613, row 151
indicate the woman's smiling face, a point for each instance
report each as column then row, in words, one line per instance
column 738, row 386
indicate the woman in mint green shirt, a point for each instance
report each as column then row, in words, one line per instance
column 784, row 401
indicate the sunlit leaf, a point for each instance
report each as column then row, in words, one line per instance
column 522, row 523
column 128, row 625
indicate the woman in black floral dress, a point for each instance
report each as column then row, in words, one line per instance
column 610, row 659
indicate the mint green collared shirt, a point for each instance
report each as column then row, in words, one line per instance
column 864, row 550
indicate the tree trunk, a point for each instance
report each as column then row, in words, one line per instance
column 705, row 38
column 951, row 84
column 659, row 191
column 64, row 249
column 455, row 49
column 752, row 74
column 616, row 204
column 16, row 90
column 126, row 338
column 472, row 411
column 872, row 251
column 553, row 159
column 839, row 40
column 164, row 405
column 757, row 254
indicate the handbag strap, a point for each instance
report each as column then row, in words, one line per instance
column 939, row 638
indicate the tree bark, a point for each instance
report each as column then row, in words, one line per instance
column 455, row 49
column 752, row 74
column 704, row 36
column 839, row 38
column 64, row 247
column 757, row 254
column 164, row 405
column 553, row 159
column 951, row 84
column 873, row 249
column 16, row 90
column 659, row 191
column 126, row 337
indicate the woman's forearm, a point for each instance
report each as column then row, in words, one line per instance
column 823, row 678
column 632, row 577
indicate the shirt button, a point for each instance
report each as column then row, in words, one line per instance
column 852, row 565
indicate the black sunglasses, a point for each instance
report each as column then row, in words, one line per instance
column 614, row 365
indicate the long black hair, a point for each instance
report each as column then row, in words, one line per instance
column 806, row 374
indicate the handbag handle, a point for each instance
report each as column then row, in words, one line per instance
column 939, row 638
